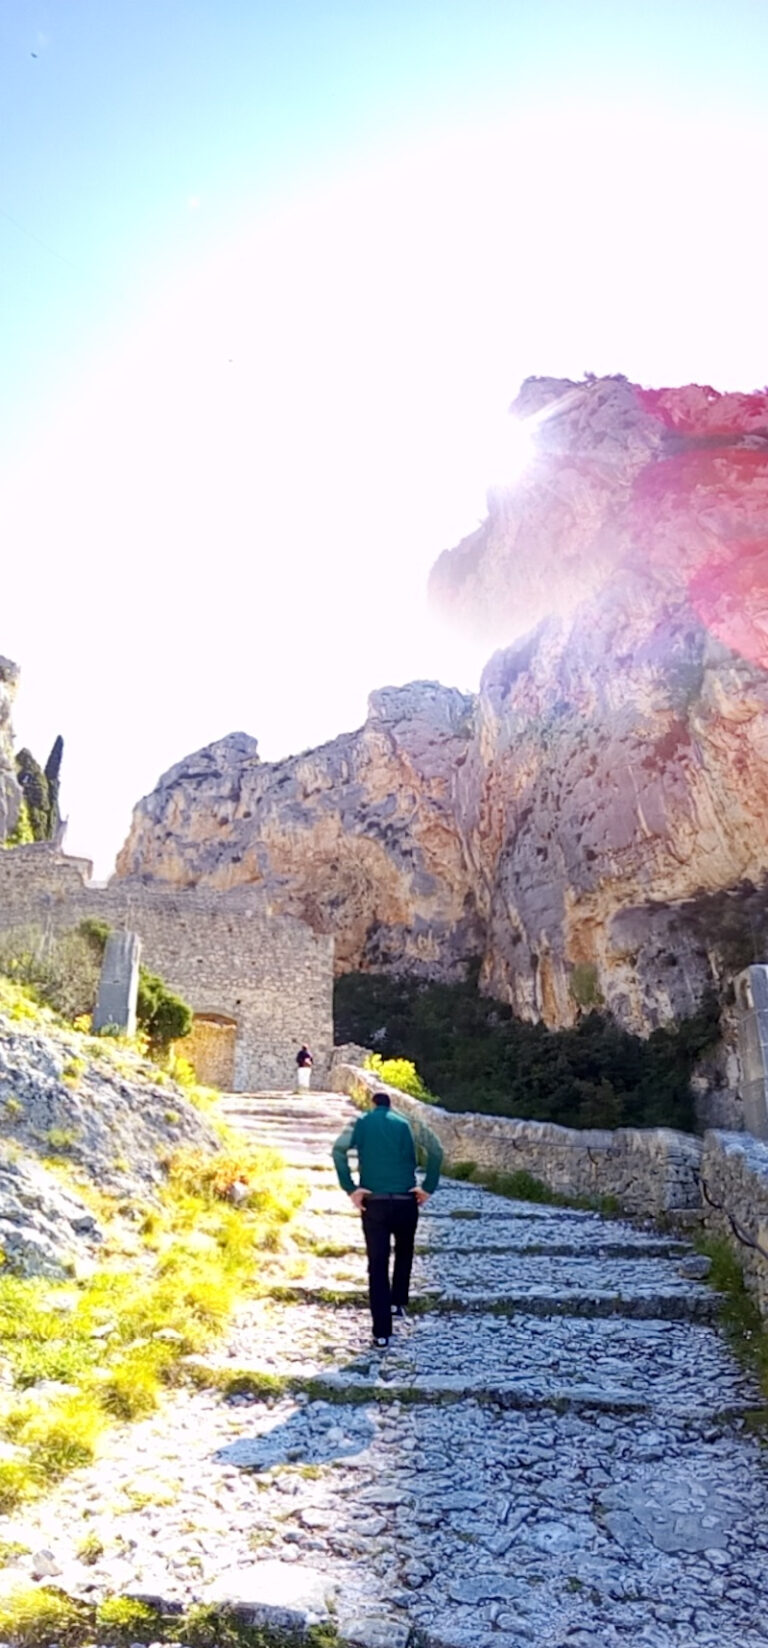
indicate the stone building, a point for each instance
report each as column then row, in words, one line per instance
column 259, row 984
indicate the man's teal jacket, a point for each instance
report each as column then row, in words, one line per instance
column 386, row 1154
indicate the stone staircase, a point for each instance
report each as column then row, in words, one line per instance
column 554, row 1450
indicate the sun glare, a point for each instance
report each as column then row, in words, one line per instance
column 511, row 448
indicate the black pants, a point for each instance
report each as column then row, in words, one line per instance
column 385, row 1217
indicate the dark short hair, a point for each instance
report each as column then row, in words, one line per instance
column 381, row 1098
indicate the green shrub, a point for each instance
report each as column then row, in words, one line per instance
column 474, row 1053
column 128, row 1619
column 15, row 1484
column 739, row 1313
column 22, row 833
column 130, row 1391
column 35, row 1617
column 34, row 785
column 96, row 933
column 160, row 1012
column 400, row 1073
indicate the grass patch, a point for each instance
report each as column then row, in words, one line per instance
column 739, row 1316
column 166, row 1290
column 10, row 1549
column 121, row 1336
column 256, row 1385
column 522, row 1186
column 326, row 1250
column 90, row 1549
column 36, row 1617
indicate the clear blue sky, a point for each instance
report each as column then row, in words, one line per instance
column 268, row 275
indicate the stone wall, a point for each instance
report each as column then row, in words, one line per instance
column 720, row 1181
column 210, row 1047
column 650, row 1171
column 226, row 953
column 734, row 1188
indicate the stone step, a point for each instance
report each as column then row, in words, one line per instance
column 513, row 1236
column 653, row 1359
column 671, row 1306
column 580, row 1396
column 474, row 1203
column 491, row 1274
column 555, row 1249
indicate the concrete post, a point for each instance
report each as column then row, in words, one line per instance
column 752, row 1004
column 119, row 983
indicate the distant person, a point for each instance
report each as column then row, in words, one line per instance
column 388, row 1197
column 304, row 1062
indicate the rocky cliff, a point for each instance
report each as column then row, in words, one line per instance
column 10, row 794
column 591, row 825
column 359, row 837
column 620, row 776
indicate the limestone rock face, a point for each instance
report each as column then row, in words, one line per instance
column 592, row 824
column 618, row 788
column 619, row 780
column 359, row 838
column 10, row 794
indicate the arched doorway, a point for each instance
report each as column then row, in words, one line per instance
column 210, row 1047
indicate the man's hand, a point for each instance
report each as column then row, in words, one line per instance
column 357, row 1198
column 422, row 1196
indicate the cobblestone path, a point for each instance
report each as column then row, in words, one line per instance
column 553, row 1452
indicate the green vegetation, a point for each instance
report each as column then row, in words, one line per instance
column 22, row 834
column 740, row 1317
column 476, row 1055
column 160, row 1013
column 37, row 1616
column 583, row 985
column 400, row 1073
column 522, row 1186
column 61, row 970
column 34, row 785
column 123, row 1333
column 90, row 1549
column 39, row 816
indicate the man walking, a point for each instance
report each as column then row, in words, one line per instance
column 389, row 1199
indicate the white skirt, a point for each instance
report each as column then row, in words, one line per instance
column 304, row 1077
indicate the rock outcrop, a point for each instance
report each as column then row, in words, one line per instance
column 592, row 826
column 10, row 794
column 620, row 777
column 619, row 782
column 101, row 1116
column 359, row 838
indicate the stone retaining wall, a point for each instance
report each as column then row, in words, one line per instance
column 734, row 1188
column 721, row 1180
column 225, row 952
column 649, row 1171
